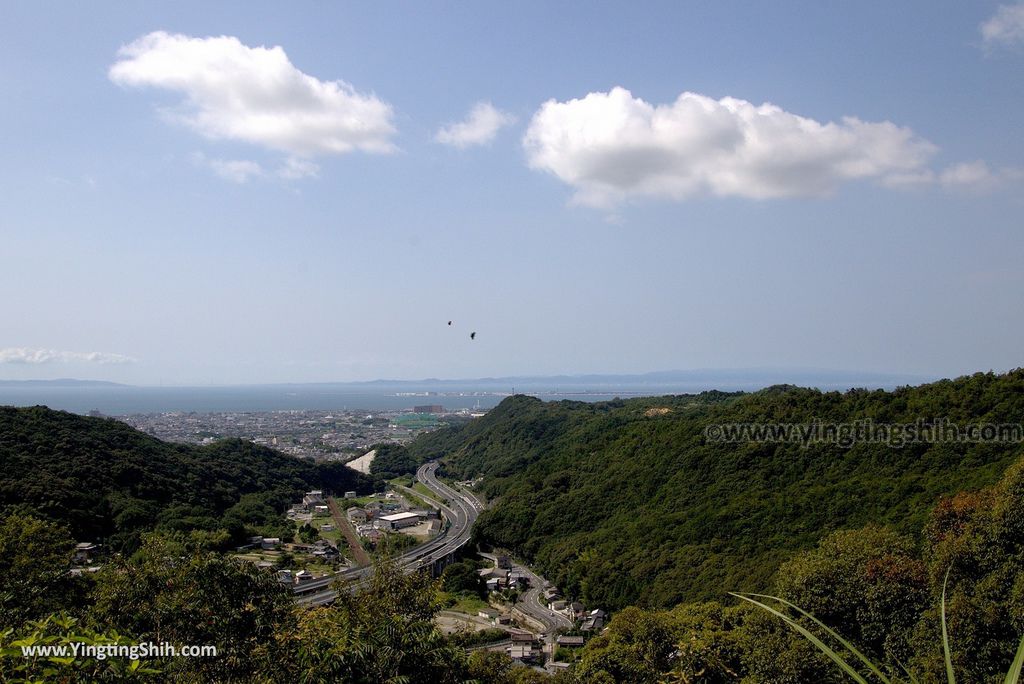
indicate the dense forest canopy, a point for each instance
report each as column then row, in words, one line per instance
column 106, row 481
column 627, row 502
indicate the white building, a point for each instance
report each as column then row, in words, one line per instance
column 397, row 521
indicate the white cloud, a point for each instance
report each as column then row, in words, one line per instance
column 612, row 146
column 479, row 128
column 235, row 170
column 255, row 95
column 910, row 179
column 296, row 167
column 243, row 170
column 28, row 355
column 1006, row 27
column 977, row 177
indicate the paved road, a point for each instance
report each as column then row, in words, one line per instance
column 533, row 604
column 462, row 511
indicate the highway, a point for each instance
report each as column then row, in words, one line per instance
column 461, row 511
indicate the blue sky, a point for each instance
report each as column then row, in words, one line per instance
column 183, row 207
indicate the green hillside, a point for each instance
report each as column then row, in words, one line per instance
column 107, row 481
column 627, row 502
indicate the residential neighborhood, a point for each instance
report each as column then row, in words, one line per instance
column 530, row 636
column 316, row 434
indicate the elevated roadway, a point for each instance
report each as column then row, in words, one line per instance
column 461, row 510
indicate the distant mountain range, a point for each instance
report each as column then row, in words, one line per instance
column 676, row 380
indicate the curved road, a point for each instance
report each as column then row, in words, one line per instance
column 462, row 511
column 532, row 603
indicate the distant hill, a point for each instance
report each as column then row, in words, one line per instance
column 627, row 502
column 674, row 381
column 61, row 382
column 107, row 481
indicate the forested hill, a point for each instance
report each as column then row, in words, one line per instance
column 627, row 502
column 107, row 481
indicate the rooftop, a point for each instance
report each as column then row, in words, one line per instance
column 394, row 517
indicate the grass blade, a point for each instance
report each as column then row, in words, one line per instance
column 1013, row 675
column 910, row 674
column 846, row 644
column 822, row 646
column 950, row 677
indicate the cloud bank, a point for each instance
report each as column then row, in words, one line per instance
column 479, row 128
column 255, row 95
column 33, row 356
column 1006, row 27
column 612, row 146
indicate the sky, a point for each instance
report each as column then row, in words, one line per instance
column 252, row 192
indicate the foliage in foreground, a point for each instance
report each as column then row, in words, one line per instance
column 852, row 660
column 64, row 633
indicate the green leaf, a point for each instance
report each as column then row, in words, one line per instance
column 1013, row 675
column 950, row 677
column 846, row 644
column 910, row 674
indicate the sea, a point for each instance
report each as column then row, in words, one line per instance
column 396, row 395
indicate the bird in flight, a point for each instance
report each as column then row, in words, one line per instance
column 472, row 335
column 449, row 322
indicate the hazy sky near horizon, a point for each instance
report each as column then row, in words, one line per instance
column 249, row 192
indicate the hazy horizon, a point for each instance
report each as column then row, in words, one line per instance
column 752, row 375
column 480, row 393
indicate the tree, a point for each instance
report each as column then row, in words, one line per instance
column 34, row 560
column 172, row 590
column 978, row 537
column 637, row 647
column 463, row 578
column 57, row 631
column 383, row 633
column 308, row 534
column 867, row 583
